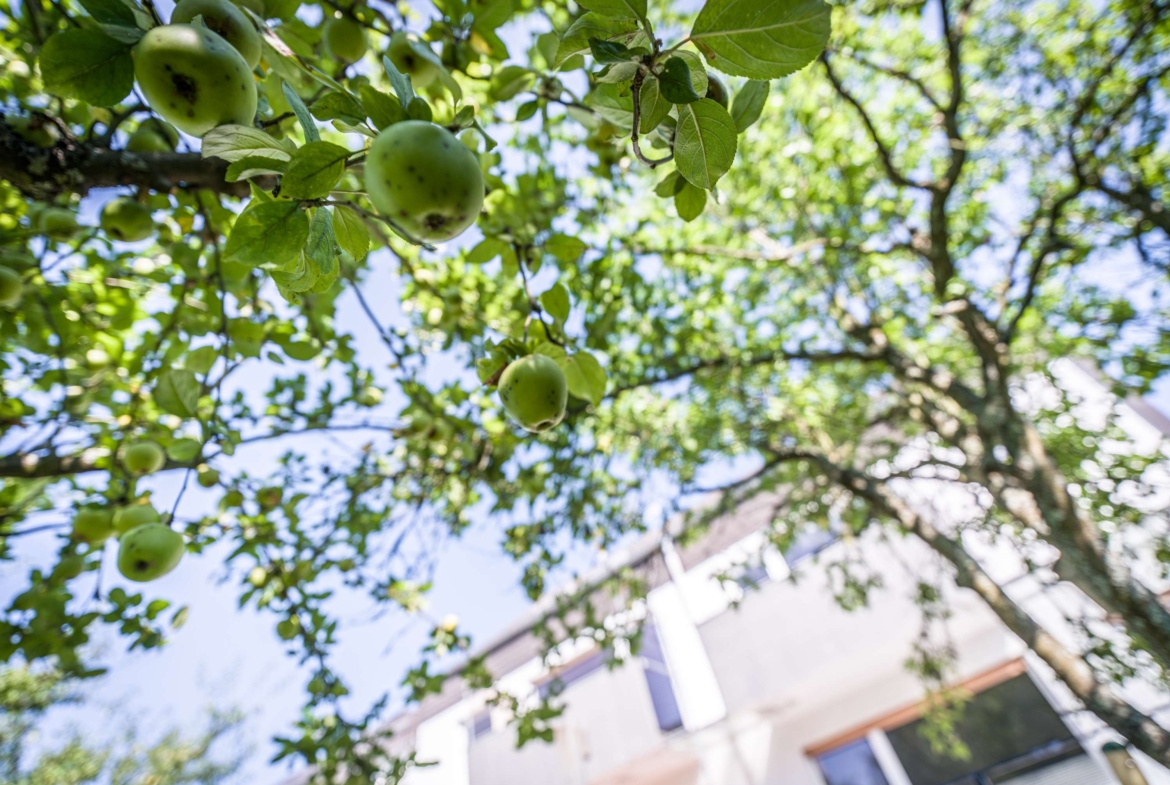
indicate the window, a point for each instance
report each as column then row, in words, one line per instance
column 851, row 764
column 573, row 672
column 751, row 576
column 808, row 542
column 658, row 681
column 1009, row 729
column 481, row 724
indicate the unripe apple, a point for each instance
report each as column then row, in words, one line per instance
column 194, row 79
column 144, row 457
column 153, row 136
column 11, row 287
column 133, row 516
column 425, row 180
column 368, row 396
column 149, row 552
column 58, row 223
column 225, row 19
column 258, row 576
column 127, row 220
column 208, row 478
column 33, row 133
column 268, row 498
column 69, row 567
column 287, row 629
column 534, row 392
column 717, row 91
column 406, row 58
column 93, row 525
column 344, row 39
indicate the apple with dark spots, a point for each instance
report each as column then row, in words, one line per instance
column 194, row 79
column 226, row 20
column 126, row 220
column 404, row 53
column 424, row 180
column 149, row 552
column 534, row 392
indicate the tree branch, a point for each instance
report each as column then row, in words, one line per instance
column 72, row 166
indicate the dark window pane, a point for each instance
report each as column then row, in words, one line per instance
column 481, row 724
column 1003, row 723
column 658, row 680
column 851, row 764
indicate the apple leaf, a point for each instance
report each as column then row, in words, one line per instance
column 585, row 376
column 381, row 108
column 630, row 9
column 749, row 104
column 653, row 105
column 270, row 233
column 352, row 235
column 302, row 112
column 177, row 392
column 236, row 142
column 556, row 302
column 704, row 145
column 676, row 84
column 762, row 40
column 314, row 170
column 689, row 201
column 400, row 81
column 575, row 40
column 88, row 65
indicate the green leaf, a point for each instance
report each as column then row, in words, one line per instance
column 270, row 233
column 177, row 392
column 314, row 170
column 575, row 40
column 297, row 280
column 509, row 81
column 635, row 9
column 585, row 376
column 612, row 102
column 565, row 248
column 698, row 70
column 705, row 142
column 487, row 249
column 652, row 104
column 252, row 166
column 619, row 73
column 183, row 450
column 762, row 40
column 609, row 51
column 352, row 235
column 676, row 84
column 419, row 109
column 556, row 302
column 201, row 360
column 400, row 82
column 125, row 13
column 749, row 104
column 426, row 53
column 237, row 142
column 320, row 248
column 527, row 110
column 334, row 105
column 382, row 109
column 88, row 65
column 689, row 201
column 302, row 112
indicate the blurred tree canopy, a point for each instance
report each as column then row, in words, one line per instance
column 839, row 257
column 26, row 696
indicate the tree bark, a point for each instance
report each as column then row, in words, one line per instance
column 75, row 167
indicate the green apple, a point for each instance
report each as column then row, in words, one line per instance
column 153, row 136
column 144, row 457
column 127, row 220
column 133, row 516
column 368, row 396
column 344, row 39
column 11, row 287
column 226, row 19
column 207, row 477
column 404, row 53
column 268, row 498
column 93, row 525
column 425, row 180
column 149, row 552
column 534, row 392
column 255, row 6
column 194, row 79
column 34, row 133
column 717, row 91
column 57, row 223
